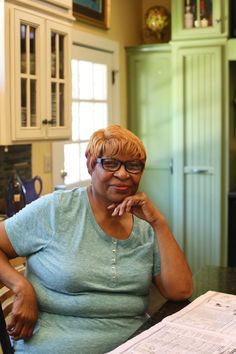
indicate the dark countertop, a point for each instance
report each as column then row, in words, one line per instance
column 222, row 279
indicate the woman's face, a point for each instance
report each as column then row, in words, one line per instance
column 113, row 187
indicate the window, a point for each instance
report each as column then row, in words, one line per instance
column 92, row 109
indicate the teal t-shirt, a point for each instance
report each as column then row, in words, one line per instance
column 92, row 289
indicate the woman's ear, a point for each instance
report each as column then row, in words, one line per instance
column 91, row 163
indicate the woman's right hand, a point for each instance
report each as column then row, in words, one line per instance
column 24, row 313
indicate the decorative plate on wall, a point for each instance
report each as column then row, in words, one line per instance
column 157, row 25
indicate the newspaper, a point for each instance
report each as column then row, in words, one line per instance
column 205, row 326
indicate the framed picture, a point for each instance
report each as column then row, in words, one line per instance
column 95, row 12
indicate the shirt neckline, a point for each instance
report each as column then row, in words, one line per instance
column 100, row 230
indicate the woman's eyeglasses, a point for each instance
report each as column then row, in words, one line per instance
column 112, row 165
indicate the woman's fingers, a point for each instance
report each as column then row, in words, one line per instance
column 127, row 206
column 23, row 317
column 19, row 329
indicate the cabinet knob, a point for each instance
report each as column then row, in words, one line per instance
column 45, row 121
column 218, row 20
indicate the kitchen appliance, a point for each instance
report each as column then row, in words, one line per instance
column 21, row 192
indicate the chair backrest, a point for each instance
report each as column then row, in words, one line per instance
column 6, row 300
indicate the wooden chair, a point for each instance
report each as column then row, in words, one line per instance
column 6, row 300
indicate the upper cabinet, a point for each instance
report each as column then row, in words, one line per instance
column 63, row 3
column 37, row 84
column 196, row 19
column 41, row 79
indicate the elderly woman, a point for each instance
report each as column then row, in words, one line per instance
column 92, row 254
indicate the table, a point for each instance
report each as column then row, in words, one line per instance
column 214, row 278
column 222, row 279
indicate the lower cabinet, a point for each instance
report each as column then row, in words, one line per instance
column 176, row 107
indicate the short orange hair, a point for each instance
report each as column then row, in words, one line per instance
column 114, row 141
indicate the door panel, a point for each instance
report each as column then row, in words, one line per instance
column 156, row 183
column 150, row 118
column 202, row 114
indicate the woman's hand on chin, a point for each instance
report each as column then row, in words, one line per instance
column 138, row 205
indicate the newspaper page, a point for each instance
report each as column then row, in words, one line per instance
column 206, row 326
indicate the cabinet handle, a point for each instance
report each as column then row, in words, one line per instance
column 51, row 121
column 46, row 121
column 200, row 170
column 218, row 20
column 171, row 166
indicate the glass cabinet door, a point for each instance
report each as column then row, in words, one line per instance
column 28, row 75
column 41, row 90
column 197, row 14
column 199, row 18
column 58, row 79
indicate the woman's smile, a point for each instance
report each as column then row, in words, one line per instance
column 119, row 187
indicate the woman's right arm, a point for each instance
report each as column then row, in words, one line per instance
column 25, row 310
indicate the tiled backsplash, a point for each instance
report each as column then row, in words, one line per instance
column 14, row 157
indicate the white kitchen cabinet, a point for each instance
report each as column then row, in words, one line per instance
column 63, row 3
column 37, row 81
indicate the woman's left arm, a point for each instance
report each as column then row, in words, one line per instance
column 175, row 279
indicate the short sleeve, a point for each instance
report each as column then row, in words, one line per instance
column 34, row 226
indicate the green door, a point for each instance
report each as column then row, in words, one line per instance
column 197, row 111
column 149, row 83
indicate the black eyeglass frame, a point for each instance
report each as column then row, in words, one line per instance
column 101, row 160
